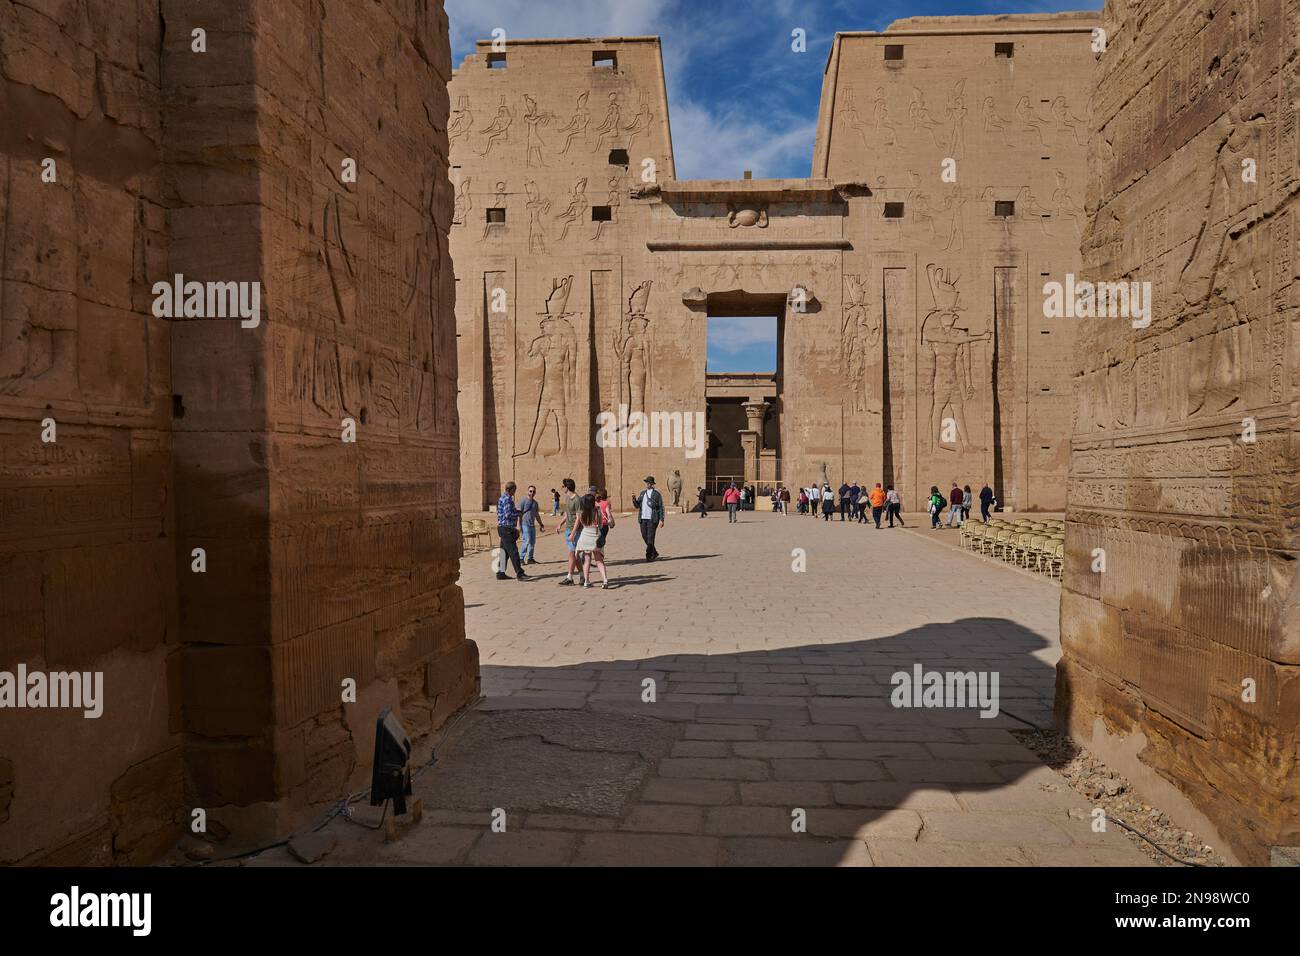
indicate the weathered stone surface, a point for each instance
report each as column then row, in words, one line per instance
column 589, row 764
column 1184, row 467
column 311, row 847
column 913, row 349
column 326, row 560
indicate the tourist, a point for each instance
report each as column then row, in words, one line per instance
column 936, row 505
column 855, row 501
column 732, row 499
column 877, row 500
column 844, row 500
column 785, row 501
column 508, row 533
column 955, row 498
column 650, row 506
column 571, row 505
column 606, row 520
column 555, row 502
column 586, row 535
column 742, row 501
column 986, row 502
column 828, row 502
column 530, row 520
column 802, row 507
column 894, row 505
column 814, row 500
column 967, row 499
column 703, row 498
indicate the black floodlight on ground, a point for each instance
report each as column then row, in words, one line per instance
column 390, row 776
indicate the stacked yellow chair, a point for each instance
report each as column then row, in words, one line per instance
column 1036, row 544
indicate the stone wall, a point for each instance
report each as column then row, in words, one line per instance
column 1179, row 620
column 871, row 372
column 945, row 117
column 536, row 132
column 325, row 559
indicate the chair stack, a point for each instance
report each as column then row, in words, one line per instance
column 471, row 531
column 1035, row 544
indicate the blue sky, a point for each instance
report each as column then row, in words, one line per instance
column 738, row 97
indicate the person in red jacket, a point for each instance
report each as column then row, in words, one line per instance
column 731, row 498
column 955, row 499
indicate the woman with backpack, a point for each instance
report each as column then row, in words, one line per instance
column 585, row 535
column 828, row 503
column 937, row 501
column 606, row 520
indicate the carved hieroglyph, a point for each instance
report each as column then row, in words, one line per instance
column 632, row 347
column 576, row 128
column 949, row 350
column 499, row 129
column 325, row 559
column 576, row 208
column 859, row 340
column 1184, row 461
column 555, row 350
column 534, row 121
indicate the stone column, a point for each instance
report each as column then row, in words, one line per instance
column 330, row 590
column 751, row 438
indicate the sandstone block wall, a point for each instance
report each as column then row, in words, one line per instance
column 1182, row 657
column 911, row 322
column 943, row 118
column 555, row 134
column 325, row 560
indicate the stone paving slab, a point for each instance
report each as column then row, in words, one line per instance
column 771, row 695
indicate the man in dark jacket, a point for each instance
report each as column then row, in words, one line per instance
column 844, row 500
column 650, row 512
column 955, row 499
column 986, row 501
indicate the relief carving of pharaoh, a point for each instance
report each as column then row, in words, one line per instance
column 949, row 344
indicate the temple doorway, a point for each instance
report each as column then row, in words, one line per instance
column 742, row 394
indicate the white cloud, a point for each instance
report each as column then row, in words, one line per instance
column 473, row 20
column 712, row 146
column 730, row 334
column 738, row 129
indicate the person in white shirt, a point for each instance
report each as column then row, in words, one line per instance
column 650, row 505
column 894, row 506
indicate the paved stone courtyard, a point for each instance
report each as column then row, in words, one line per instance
column 772, row 695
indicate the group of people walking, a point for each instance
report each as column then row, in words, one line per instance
column 852, row 502
column 959, row 502
column 585, row 522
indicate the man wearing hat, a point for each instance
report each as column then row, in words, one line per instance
column 650, row 509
